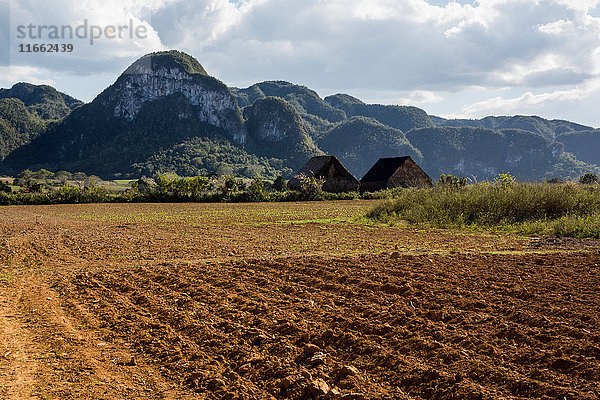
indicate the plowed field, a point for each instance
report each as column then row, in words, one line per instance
column 288, row 301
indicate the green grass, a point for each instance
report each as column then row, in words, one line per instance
column 527, row 208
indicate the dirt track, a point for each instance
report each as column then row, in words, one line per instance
column 278, row 301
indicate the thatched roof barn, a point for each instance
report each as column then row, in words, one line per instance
column 337, row 178
column 394, row 172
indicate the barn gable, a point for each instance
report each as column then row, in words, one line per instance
column 337, row 178
column 394, row 172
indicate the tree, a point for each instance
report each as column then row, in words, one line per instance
column 280, row 184
column 143, row 185
column 229, row 184
column 80, row 178
column 589, row 179
column 63, row 176
column 4, row 187
column 92, row 180
column 25, row 178
column 43, row 175
column 256, row 187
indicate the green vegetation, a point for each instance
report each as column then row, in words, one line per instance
column 563, row 209
column 584, row 145
column 172, row 59
column 483, row 153
column 275, row 129
column 157, row 132
column 18, row 126
column 26, row 111
column 5, row 187
column 589, row 179
column 205, row 156
column 280, row 184
column 45, row 187
column 529, row 208
column 42, row 100
column 303, row 99
column 130, row 130
column 568, row 167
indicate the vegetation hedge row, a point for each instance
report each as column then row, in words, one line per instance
column 534, row 208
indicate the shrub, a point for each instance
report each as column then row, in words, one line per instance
column 311, row 186
column 280, row 184
column 452, row 181
column 505, row 179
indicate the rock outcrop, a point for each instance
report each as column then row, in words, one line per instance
column 159, row 75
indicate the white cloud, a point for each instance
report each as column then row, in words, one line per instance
column 556, row 27
column 529, row 101
column 85, row 58
column 421, row 97
column 19, row 73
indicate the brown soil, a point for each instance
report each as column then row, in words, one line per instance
column 288, row 301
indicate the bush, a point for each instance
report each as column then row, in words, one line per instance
column 452, row 181
column 280, row 184
column 505, row 179
column 168, row 188
column 311, row 187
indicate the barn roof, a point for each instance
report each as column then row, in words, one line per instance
column 384, row 168
column 315, row 165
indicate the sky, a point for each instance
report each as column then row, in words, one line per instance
column 456, row 59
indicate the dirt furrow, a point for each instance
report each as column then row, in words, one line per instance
column 483, row 335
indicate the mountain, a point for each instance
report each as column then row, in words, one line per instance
column 585, row 145
column 404, row 118
column 18, row 126
column 42, row 100
column 160, row 101
column 484, row 153
column 359, row 142
column 27, row 110
column 317, row 114
column 165, row 113
column 304, row 100
column 549, row 129
column 276, row 130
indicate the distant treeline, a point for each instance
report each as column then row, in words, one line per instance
column 36, row 188
column 45, row 187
